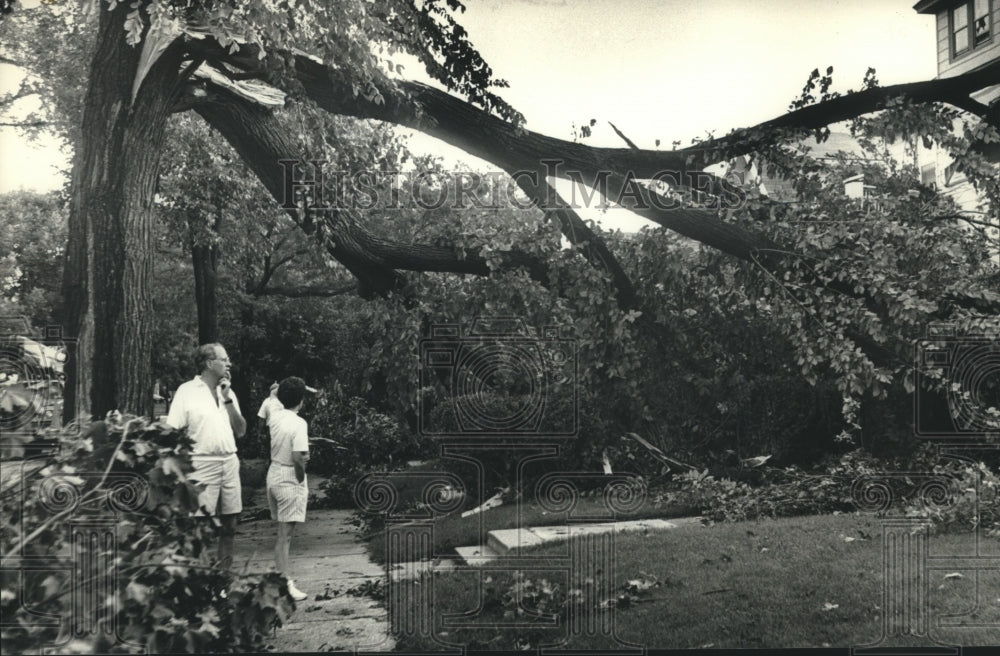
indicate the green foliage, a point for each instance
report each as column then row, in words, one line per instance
column 717, row 371
column 279, row 310
column 371, row 588
column 32, row 242
column 954, row 494
column 165, row 591
column 854, row 283
column 966, row 499
column 721, row 355
column 358, row 37
column 783, row 493
column 51, row 68
column 352, row 439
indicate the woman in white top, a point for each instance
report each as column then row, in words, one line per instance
column 287, row 490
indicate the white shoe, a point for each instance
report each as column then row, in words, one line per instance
column 295, row 593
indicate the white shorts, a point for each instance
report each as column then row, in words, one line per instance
column 285, row 495
column 223, row 493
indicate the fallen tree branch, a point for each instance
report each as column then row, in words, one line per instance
column 519, row 151
column 458, row 123
column 263, row 143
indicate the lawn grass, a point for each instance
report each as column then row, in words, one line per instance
column 455, row 531
column 793, row 582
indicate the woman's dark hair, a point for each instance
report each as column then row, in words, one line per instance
column 291, row 390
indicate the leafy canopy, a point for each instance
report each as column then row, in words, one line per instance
column 358, row 37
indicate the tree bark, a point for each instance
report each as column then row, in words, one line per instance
column 205, row 258
column 109, row 255
column 205, row 261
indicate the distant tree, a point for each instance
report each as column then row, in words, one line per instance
column 32, row 245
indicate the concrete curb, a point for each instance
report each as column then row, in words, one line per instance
column 509, row 542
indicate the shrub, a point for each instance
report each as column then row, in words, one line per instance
column 556, row 413
column 350, row 439
column 128, row 477
column 964, row 497
column 955, row 494
column 580, row 452
column 782, row 493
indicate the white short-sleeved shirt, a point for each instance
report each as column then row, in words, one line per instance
column 270, row 405
column 206, row 420
column 289, row 432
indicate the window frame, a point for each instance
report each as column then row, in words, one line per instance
column 970, row 29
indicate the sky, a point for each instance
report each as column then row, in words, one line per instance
column 658, row 69
column 670, row 69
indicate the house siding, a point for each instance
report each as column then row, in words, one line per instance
column 949, row 66
column 935, row 162
column 943, row 41
column 958, row 187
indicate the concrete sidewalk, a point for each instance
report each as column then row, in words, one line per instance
column 326, row 557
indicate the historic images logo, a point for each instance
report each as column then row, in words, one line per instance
column 308, row 185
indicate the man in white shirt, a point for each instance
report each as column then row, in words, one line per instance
column 270, row 405
column 208, row 409
column 287, row 490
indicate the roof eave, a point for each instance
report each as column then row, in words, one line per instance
column 930, row 6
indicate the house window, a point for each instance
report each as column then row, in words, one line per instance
column 971, row 26
column 928, row 175
column 960, row 29
column 981, row 22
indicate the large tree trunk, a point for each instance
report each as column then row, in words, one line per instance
column 109, row 264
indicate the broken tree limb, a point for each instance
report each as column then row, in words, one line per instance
column 263, row 142
column 512, row 148
column 658, row 453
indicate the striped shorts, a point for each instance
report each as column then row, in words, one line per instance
column 286, row 496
